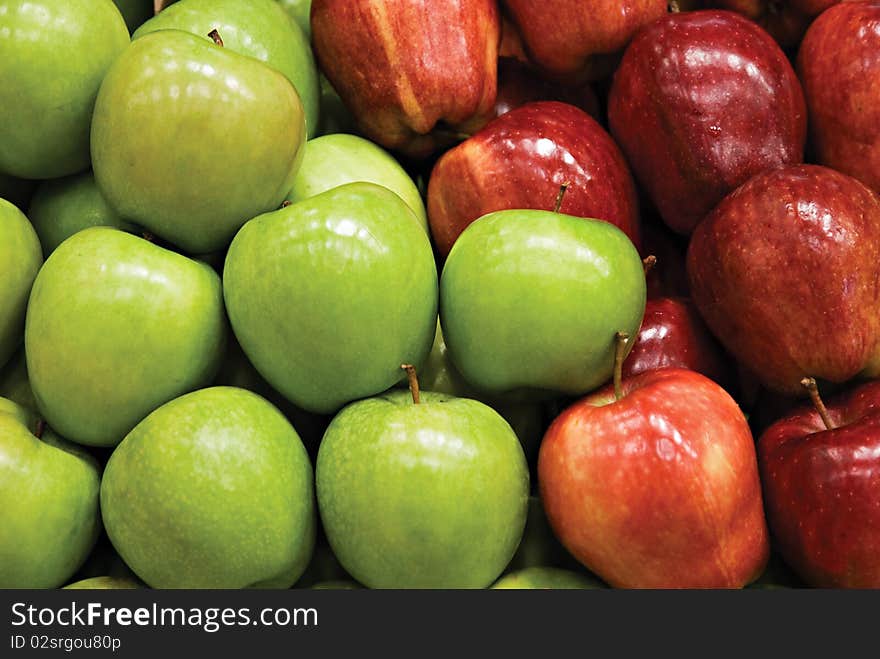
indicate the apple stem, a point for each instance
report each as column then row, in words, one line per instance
column 620, row 341
column 286, row 203
column 810, row 385
column 560, row 195
column 648, row 263
column 674, row 7
column 148, row 236
column 413, row 382
column 215, row 35
column 40, row 429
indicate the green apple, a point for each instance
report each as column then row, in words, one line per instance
column 61, row 207
column 258, row 28
column 300, row 11
column 427, row 495
column 329, row 296
column 14, row 382
column 20, row 259
column 49, row 498
column 333, row 160
column 53, row 56
column 546, row 578
column 190, row 139
column 115, row 327
column 531, row 300
column 135, row 12
column 105, row 583
column 212, row 490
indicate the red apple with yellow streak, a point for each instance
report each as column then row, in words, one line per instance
column 520, row 160
column 414, row 77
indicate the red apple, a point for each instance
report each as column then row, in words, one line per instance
column 822, row 489
column 519, row 84
column 674, row 335
column 520, row 160
column 785, row 273
column 785, row 20
column 839, row 64
column 701, row 102
column 575, row 39
column 412, row 77
column 657, row 488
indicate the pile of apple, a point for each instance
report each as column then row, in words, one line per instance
column 447, row 294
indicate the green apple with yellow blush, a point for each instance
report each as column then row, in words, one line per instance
column 257, row 28
column 190, row 139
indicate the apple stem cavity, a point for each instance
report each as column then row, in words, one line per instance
column 810, row 385
column 215, row 35
column 149, row 237
column 648, row 263
column 413, row 382
column 40, row 428
column 560, row 195
column 620, row 341
column 286, row 203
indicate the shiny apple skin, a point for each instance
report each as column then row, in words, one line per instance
column 659, row 489
column 568, row 38
column 673, row 335
column 403, row 67
column 839, row 65
column 822, row 490
column 784, row 272
column 520, row 160
column 701, row 102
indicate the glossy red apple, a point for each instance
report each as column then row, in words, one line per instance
column 673, row 335
column 701, row 102
column 412, row 77
column 839, row 65
column 822, row 489
column 785, row 273
column 520, row 160
column 657, row 488
column 573, row 39
column 519, row 83
column 785, row 20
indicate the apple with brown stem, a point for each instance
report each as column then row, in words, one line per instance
column 652, row 482
column 820, row 468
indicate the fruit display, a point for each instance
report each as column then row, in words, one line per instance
column 460, row 294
